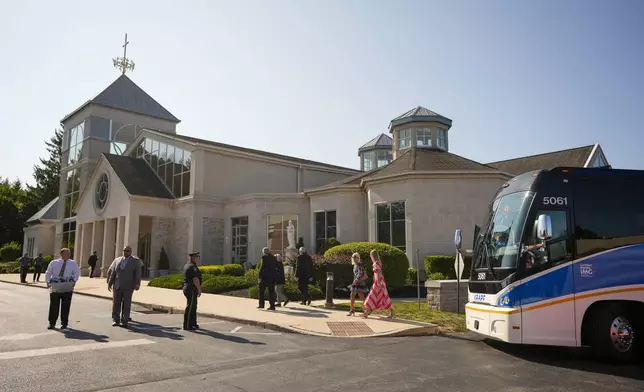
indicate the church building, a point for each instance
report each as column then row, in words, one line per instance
column 128, row 178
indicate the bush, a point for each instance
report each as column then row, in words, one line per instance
column 328, row 244
column 445, row 265
column 412, row 277
column 291, row 291
column 233, row 269
column 10, row 251
column 437, row 276
column 339, row 265
column 252, row 276
column 223, row 284
column 174, row 281
column 394, row 261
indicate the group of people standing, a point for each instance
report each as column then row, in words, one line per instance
column 273, row 278
column 24, row 267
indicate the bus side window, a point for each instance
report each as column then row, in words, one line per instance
column 559, row 246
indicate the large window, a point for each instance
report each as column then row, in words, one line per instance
column 72, row 191
column 383, row 158
column 609, row 213
column 30, row 246
column 278, row 234
column 171, row 163
column 73, row 142
column 441, row 140
column 559, row 247
column 423, row 137
column 367, row 159
column 404, row 138
column 69, row 236
column 240, row 239
column 391, row 224
column 325, row 228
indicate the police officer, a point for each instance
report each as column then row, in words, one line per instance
column 192, row 291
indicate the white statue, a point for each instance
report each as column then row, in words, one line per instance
column 290, row 233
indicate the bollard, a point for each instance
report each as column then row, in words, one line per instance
column 329, row 290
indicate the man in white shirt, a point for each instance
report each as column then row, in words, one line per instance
column 64, row 268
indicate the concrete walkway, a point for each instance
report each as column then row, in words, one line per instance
column 292, row 318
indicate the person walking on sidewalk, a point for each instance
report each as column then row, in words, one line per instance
column 359, row 285
column 378, row 298
column 280, row 281
column 24, row 268
column 92, row 263
column 61, row 272
column 124, row 276
column 38, row 261
column 192, row 290
column 267, row 279
column 303, row 274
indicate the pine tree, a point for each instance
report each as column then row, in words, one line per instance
column 47, row 174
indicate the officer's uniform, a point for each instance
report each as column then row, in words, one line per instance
column 190, row 271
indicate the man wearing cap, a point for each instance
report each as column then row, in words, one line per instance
column 267, row 279
column 192, row 291
column 124, row 276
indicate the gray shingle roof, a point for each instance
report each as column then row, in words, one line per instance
column 380, row 141
column 420, row 114
column 124, row 94
column 573, row 157
column 138, row 177
column 49, row 211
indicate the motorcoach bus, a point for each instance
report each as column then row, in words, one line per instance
column 560, row 261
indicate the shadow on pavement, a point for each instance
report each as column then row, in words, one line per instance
column 76, row 334
column 230, row 338
column 154, row 330
column 569, row 358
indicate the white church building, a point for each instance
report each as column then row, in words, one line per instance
column 128, row 178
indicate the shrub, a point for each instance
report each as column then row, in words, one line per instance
column 291, row 291
column 10, row 251
column 174, row 281
column 394, row 261
column 445, row 265
column 437, row 276
column 9, row 267
column 223, row 284
column 412, row 277
column 339, row 265
column 214, row 270
column 252, row 276
column 233, row 269
column 164, row 261
column 328, row 244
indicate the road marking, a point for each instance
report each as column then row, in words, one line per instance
column 73, row 349
column 25, row 336
column 235, row 329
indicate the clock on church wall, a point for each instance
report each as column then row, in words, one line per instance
column 102, row 192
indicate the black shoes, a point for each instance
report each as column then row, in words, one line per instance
column 115, row 324
column 51, row 326
column 64, row 326
column 286, row 302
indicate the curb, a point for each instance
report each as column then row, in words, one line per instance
column 418, row 331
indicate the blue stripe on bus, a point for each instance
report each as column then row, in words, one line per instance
column 618, row 267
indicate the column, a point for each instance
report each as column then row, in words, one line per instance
column 78, row 242
column 131, row 237
column 86, row 244
column 120, row 234
column 109, row 242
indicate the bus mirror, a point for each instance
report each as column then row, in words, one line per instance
column 544, row 227
column 458, row 240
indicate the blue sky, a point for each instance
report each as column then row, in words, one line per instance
column 317, row 79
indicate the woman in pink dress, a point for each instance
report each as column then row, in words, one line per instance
column 378, row 298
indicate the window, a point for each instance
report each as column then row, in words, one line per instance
column 117, row 148
column 30, row 247
column 367, row 160
column 72, row 191
column 441, row 140
column 171, row 163
column 391, row 224
column 599, row 161
column 404, row 138
column 559, row 248
column 423, row 137
column 609, row 213
column 325, row 228
column 278, row 232
column 69, row 236
column 239, row 239
column 383, row 158
column 74, row 143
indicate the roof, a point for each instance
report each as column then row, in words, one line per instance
column 138, row 177
column 574, row 157
column 124, row 94
column 380, row 141
column 190, row 139
column 49, row 211
column 419, row 114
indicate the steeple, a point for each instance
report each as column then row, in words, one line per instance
column 419, row 128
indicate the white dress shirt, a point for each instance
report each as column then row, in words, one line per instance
column 71, row 270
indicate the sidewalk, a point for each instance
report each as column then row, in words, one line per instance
column 296, row 318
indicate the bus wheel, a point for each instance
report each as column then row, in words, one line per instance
column 613, row 336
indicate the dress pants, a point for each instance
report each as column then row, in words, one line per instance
column 303, row 285
column 59, row 302
column 190, row 314
column 91, row 270
column 270, row 285
column 121, row 305
column 37, row 269
column 23, row 274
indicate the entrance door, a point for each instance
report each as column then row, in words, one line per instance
column 144, row 250
column 240, row 240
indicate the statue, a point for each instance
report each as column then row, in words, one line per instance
column 290, row 233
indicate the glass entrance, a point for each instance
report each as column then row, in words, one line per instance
column 240, row 240
column 144, row 250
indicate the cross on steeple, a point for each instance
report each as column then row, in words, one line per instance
column 123, row 63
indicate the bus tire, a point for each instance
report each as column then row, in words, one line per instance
column 612, row 336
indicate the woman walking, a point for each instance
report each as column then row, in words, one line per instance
column 359, row 286
column 378, row 298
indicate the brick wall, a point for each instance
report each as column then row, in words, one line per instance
column 162, row 236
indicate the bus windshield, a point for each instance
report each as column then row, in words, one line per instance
column 499, row 245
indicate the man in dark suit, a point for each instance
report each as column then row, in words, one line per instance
column 92, row 263
column 267, row 275
column 303, row 274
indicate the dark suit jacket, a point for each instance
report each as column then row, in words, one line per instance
column 269, row 268
column 304, row 267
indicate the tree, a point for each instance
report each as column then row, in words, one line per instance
column 13, row 199
column 47, row 175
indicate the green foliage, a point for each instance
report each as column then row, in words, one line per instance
column 211, row 283
column 10, row 251
column 226, row 269
column 394, row 261
column 174, row 281
column 341, row 267
column 412, row 277
column 223, row 284
column 445, row 265
column 47, row 174
column 291, row 291
column 328, row 244
column 251, row 276
column 437, row 276
column 164, row 261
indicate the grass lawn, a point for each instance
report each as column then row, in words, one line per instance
column 448, row 322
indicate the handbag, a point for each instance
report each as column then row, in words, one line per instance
column 62, row 284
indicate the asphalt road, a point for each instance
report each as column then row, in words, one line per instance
column 156, row 355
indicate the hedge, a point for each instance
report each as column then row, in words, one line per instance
column 226, row 269
column 291, row 291
column 394, row 260
column 10, row 251
column 13, row 267
column 444, row 265
column 212, row 284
